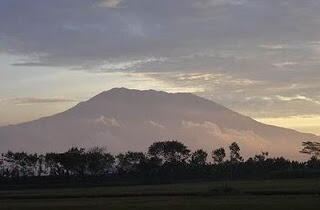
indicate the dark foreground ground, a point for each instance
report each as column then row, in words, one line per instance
column 269, row 194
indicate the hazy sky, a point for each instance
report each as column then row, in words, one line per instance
column 258, row 57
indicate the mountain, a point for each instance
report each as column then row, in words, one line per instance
column 124, row 119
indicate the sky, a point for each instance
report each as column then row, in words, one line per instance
column 257, row 57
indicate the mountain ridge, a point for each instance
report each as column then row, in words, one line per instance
column 124, row 119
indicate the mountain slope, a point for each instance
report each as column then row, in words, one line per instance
column 124, row 119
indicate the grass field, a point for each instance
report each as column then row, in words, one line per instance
column 269, row 194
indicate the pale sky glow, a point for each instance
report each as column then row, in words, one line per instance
column 301, row 123
column 259, row 58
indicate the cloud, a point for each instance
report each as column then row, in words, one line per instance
column 248, row 138
column 298, row 97
column 215, row 3
column 127, row 65
column 285, row 64
column 198, row 76
column 109, row 122
column 108, row 3
column 226, row 50
column 273, row 47
column 35, row 64
column 30, row 101
column 156, row 125
column 278, row 106
column 76, row 33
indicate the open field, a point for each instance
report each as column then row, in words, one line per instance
column 269, row 194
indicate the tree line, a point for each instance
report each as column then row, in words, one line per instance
column 164, row 161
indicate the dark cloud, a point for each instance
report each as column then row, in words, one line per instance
column 261, row 48
column 76, row 33
column 32, row 64
column 30, row 101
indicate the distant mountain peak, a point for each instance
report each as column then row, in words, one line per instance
column 123, row 93
column 129, row 119
column 123, row 90
column 119, row 90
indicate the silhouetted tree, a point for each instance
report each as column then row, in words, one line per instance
column 235, row 153
column 73, row 161
column 218, row 155
column 169, row 151
column 98, row 161
column 130, row 161
column 311, row 148
column 167, row 161
column 313, row 163
column 22, row 163
column 199, row 157
column 53, row 165
column 261, row 157
column 41, row 164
